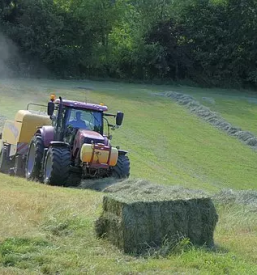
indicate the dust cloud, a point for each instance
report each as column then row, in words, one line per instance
column 8, row 55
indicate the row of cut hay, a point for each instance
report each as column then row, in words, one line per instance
column 138, row 215
column 243, row 197
column 213, row 118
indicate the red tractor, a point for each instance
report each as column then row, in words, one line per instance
column 74, row 147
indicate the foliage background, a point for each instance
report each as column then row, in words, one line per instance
column 209, row 42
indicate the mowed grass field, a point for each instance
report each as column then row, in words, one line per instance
column 49, row 230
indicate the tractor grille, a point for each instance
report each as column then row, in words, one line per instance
column 92, row 140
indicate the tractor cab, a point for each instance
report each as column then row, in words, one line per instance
column 70, row 116
column 83, row 119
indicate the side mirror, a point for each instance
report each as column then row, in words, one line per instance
column 50, row 108
column 119, row 118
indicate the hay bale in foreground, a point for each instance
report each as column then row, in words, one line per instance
column 134, row 218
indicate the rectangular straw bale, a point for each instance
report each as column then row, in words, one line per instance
column 137, row 225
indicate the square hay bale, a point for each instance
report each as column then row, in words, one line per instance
column 136, row 220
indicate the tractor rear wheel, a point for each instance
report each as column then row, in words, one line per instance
column 5, row 162
column 34, row 158
column 57, row 166
column 122, row 168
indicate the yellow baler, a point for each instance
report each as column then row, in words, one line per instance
column 19, row 132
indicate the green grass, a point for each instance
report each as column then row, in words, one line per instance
column 46, row 230
column 166, row 143
column 237, row 107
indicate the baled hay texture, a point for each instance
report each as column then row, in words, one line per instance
column 135, row 218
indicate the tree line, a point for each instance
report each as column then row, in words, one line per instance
column 211, row 42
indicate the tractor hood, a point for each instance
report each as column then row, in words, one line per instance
column 87, row 136
column 91, row 136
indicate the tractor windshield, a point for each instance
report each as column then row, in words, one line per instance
column 84, row 119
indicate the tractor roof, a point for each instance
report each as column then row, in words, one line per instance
column 82, row 105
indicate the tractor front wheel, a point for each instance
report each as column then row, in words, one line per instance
column 34, row 158
column 122, row 168
column 57, row 166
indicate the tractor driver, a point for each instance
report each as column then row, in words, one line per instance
column 78, row 122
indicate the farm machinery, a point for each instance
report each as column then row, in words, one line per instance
column 64, row 145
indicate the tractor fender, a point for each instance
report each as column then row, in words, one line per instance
column 122, row 152
column 59, row 144
column 47, row 133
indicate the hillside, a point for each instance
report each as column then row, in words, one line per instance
column 166, row 143
column 49, row 229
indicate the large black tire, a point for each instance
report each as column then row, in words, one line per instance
column 5, row 162
column 122, row 169
column 34, row 159
column 57, row 166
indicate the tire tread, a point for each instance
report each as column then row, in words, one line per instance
column 122, row 169
column 39, row 152
column 61, row 160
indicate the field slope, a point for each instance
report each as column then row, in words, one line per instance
column 49, row 230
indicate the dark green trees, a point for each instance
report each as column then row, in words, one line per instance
column 211, row 42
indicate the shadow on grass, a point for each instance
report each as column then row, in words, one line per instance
column 179, row 247
column 98, row 184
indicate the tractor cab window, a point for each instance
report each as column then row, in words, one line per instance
column 84, row 119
